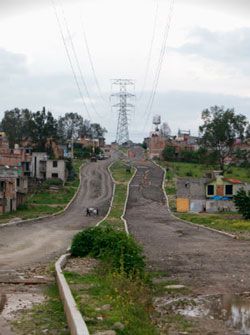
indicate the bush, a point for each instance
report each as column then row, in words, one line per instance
column 119, row 249
column 242, row 203
column 53, row 182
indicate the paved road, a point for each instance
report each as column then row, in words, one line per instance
column 207, row 261
column 25, row 245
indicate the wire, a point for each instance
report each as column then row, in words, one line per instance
column 150, row 51
column 149, row 106
column 92, row 65
column 69, row 58
column 77, row 61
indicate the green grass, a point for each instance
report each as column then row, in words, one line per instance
column 179, row 169
column 122, row 178
column 130, row 302
column 45, row 318
column 229, row 222
column 62, row 197
column 119, row 172
column 45, row 202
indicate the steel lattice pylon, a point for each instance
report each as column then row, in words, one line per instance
column 123, row 107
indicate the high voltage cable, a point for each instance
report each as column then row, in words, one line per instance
column 160, row 63
column 150, row 50
column 69, row 59
column 77, row 61
column 92, row 65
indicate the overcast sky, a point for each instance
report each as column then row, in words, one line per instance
column 207, row 60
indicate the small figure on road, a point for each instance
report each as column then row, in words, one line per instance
column 91, row 210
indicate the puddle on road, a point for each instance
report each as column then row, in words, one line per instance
column 234, row 310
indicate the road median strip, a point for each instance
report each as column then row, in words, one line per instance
column 117, row 272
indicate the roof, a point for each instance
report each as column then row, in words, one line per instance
column 230, row 180
column 233, row 181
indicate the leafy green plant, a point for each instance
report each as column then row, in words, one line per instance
column 111, row 245
column 242, row 203
column 53, row 182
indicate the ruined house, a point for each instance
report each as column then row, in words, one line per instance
column 207, row 194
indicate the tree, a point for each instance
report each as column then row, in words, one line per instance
column 12, row 125
column 165, row 130
column 242, row 203
column 70, row 126
column 220, row 130
column 44, row 128
column 168, row 154
column 97, row 131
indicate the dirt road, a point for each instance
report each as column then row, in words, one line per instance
column 207, row 261
column 30, row 244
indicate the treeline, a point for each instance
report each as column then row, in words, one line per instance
column 221, row 137
column 22, row 125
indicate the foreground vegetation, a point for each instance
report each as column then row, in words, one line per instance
column 116, row 294
column 228, row 222
column 45, row 318
column 46, row 201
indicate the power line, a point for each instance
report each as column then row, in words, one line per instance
column 77, row 60
column 69, row 59
column 160, row 63
column 92, row 65
column 150, row 50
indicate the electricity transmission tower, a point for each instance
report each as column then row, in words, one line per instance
column 123, row 107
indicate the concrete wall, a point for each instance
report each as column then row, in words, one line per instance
column 156, row 145
column 220, row 206
column 38, row 162
column 60, row 170
column 191, row 188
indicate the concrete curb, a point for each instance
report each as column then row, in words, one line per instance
column 75, row 321
column 188, row 222
column 40, row 218
column 112, row 199
column 126, row 202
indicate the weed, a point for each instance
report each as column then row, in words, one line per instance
column 47, row 317
column 112, row 246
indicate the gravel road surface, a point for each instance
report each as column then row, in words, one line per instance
column 27, row 244
column 207, row 261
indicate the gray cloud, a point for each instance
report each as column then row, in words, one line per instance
column 240, row 7
column 182, row 109
column 10, row 7
column 231, row 47
column 59, row 94
column 11, row 64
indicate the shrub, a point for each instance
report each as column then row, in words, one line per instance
column 242, row 203
column 53, row 182
column 120, row 250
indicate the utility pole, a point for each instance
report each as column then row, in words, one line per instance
column 123, row 107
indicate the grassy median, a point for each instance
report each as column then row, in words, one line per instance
column 115, row 294
column 122, row 177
